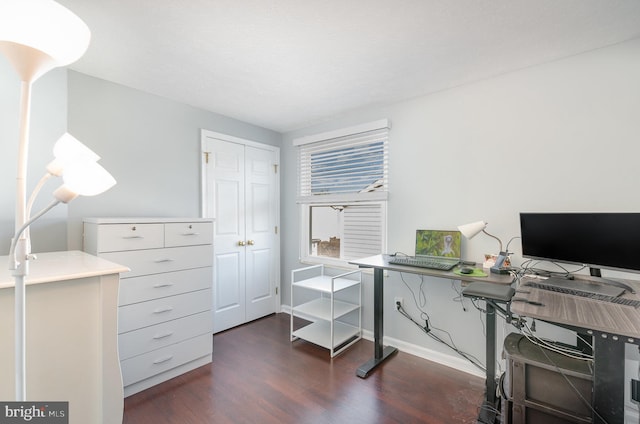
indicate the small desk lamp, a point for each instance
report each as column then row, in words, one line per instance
column 35, row 36
column 474, row 228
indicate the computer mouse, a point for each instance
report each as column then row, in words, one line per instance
column 466, row 270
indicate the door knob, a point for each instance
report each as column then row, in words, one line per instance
column 241, row 243
column 251, row 242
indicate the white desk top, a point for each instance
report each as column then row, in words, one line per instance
column 59, row 266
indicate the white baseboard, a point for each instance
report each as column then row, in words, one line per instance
column 450, row 361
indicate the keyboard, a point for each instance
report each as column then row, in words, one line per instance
column 594, row 296
column 423, row 263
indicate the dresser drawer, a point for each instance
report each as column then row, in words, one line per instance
column 156, row 261
column 188, row 233
column 116, row 237
column 145, row 340
column 154, row 286
column 144, row 314
column 144, row 366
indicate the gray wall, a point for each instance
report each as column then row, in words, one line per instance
column 563, row 136
column 151, row 145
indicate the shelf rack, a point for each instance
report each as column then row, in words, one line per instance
column 334, row 309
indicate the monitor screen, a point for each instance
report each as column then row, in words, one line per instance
column 598, row 240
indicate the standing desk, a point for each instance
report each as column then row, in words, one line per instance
column 380, row 263
column 611, row 326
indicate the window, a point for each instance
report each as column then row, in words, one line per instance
column 342, row 192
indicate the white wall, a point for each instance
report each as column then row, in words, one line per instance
column 150, row 144
column 48, row 122
column 564, row 136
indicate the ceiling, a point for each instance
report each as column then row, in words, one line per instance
column 288, row 64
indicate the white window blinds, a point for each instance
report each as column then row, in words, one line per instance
column 363, row 230
column 353, row 166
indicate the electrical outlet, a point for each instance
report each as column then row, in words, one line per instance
column 398, row 300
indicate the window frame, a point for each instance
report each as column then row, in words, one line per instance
column 378, row 198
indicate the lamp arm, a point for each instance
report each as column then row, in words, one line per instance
column 491, row 235
column 35, row 192
column 32, row 199
column 16, row 236
column 509, row 242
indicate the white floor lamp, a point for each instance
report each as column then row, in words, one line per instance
column 36, row 36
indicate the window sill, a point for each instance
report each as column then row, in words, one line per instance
column 339, row 264
column 331, row 262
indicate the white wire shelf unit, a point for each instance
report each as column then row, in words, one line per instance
column 332, row 305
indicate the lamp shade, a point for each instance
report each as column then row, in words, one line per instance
column 67, row 151
column 472, row 229
column 39, row 35
column 84, row 179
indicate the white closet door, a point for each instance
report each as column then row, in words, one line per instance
column 260, row 226
column 226, row 163
column 240, row 193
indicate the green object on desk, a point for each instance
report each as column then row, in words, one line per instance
column 477, row 272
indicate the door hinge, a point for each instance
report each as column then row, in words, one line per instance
column 275, row 168
column 206, row 156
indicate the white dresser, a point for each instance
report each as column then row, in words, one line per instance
column 164, row 305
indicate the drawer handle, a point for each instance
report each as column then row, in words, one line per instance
column 159, row 261
column 190, row 234
column 158, row 286
column 163, row 336
column 132, row 237
column 163, row 359
column 163, row 310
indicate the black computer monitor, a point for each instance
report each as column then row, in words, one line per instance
column 599, row 240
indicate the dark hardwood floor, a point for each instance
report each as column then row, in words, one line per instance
column 259, row 376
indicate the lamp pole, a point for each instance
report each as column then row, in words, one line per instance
column 30, row 64
column 22, row 249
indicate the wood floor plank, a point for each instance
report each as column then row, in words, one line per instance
column 259, row 376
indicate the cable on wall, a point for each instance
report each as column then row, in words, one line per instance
column 428, row 329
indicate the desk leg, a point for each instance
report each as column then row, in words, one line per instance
column 488, row 410
column 491, row 354
column 608, row 380
column 380, row 352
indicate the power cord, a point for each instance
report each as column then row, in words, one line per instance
column 459, row 298
column 586, row 402
column 428, row 330
column 530, row 267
